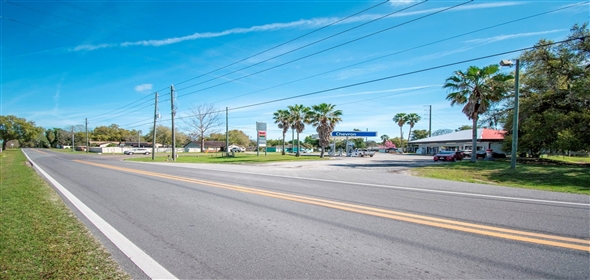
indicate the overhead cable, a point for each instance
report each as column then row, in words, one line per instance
column 333, row 47
column 407, row 73
column 406, row 50
column 304, row 46
column 281, row 44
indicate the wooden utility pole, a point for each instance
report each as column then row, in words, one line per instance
column 154, row 131
column 73, row 148
column 173, row 131
column 87, row 142
column 226, row 131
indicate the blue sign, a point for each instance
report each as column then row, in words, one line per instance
column 354, row 133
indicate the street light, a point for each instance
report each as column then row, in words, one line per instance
column 515, row 120
column 138, row 138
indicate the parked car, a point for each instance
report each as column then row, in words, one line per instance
column 482, row 154
column 137, row 151
column 393, row 151
column 362, row 153
column 237, row 149
column 448, row 156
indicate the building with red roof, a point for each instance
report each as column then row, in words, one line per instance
column 461, row 141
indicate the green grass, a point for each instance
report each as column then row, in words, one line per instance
column 549, row 177
column 40, row 238
column 239, row 158
column 567, row 159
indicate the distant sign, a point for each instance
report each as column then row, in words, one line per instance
column 354, row 133
column 260, row 126
column 261, row 137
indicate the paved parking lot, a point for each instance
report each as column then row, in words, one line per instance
column 379, row 161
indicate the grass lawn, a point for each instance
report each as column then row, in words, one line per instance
column 239, row 158
column 550, row 177
column 568, row 159
column 40, row 237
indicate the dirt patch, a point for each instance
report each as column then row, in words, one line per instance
column 403, row 171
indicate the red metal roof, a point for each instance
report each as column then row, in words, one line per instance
column 491, row 134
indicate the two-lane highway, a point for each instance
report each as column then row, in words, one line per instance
column 230, row 221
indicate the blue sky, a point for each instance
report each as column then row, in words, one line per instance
column 64, row 61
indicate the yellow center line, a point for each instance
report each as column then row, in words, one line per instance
column 524, row 236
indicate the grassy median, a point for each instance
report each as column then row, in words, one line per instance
column 539, row 175
column 40, row 237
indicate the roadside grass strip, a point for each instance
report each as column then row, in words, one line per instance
column 498, row 232
column 40, row 237
column 557, row 178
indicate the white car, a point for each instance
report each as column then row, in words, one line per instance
column 237, row 150
column 137, row 151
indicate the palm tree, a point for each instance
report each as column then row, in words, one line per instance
column 400, row 119
column 281, row 118
column 298, row 118
column 384, row 138
column 412, row 119
column 477, row 89
column 324, row 118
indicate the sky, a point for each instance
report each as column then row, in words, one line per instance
column 63, row 62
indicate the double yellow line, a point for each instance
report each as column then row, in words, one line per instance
column 524, row 236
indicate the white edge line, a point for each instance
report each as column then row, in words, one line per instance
column 148, row 265
column 413, row 189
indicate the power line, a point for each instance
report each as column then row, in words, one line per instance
column 89, row 26
column 127, row 112
column 406, row 50
column 35, row 26
column 396, row 76
column 406, row 73
column 124, row 107
column 279, row 45
column 331, row 48
column 307, row 45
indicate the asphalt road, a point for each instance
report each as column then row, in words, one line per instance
column 346, row 218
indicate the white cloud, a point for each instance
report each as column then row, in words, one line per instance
column 143, row 87
column 402, row 2
column 259, row 28
column 92, row 47
column 511, row 36
column 304, row 23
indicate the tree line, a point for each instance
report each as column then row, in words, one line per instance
column 323, row 117
column 554, row 113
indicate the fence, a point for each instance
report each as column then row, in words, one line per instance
column 119, row 150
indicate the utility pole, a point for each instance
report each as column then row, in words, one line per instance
column 173, row 131
column 73, row 149
column 226, row 131
column 515, row 118
column 87, row 143
column 154, row 131
column 430, row 121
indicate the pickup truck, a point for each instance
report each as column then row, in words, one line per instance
column 363, row 153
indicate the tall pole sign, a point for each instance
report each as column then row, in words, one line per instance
column 260, row 137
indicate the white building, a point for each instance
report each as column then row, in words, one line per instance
column 461, row 140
